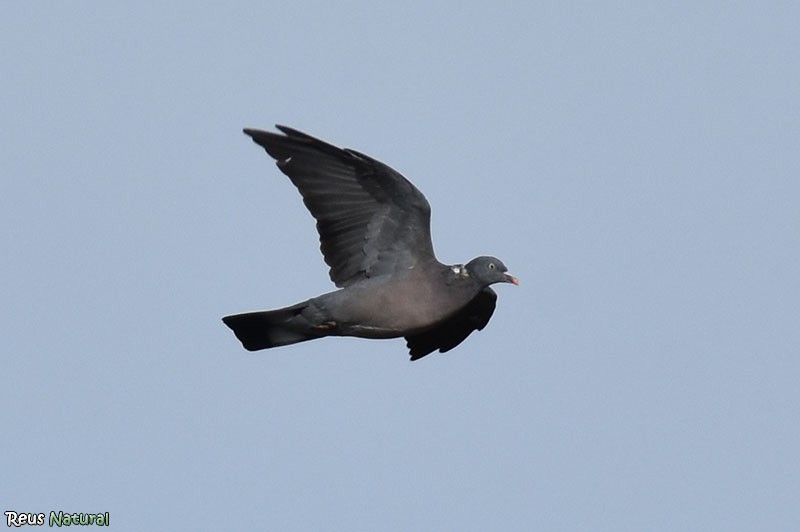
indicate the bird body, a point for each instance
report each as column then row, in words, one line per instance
column 374, row 228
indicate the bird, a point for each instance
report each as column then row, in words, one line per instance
column 374, row 233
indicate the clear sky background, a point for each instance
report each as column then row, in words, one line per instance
column 636, row 165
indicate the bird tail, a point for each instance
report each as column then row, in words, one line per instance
column 271, row 328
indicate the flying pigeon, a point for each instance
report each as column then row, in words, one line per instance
column 374, row 232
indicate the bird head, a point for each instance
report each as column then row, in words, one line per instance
column 489, row 270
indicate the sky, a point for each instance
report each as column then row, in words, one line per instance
column 635, row 165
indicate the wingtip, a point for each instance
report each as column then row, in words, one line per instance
column 254, row 131
column 416, row 354
column 286, row 130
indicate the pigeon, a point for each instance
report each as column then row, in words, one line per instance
column 374, row 232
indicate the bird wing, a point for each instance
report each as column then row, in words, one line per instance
column 371, row 220
column 455, row 329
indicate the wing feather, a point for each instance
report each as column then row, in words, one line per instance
column 371, row 220
column 454, row 330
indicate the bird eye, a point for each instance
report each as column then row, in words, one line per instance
column 491, row 265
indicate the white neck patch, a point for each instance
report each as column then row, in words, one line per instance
column 459, row 270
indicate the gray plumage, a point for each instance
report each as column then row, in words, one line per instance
column 374, row 229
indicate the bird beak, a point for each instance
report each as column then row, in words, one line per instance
column 511, row 279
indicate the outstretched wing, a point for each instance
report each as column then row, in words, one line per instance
column 370, row 219
column 454, row 330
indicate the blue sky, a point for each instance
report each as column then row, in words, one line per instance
column 636, row 166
